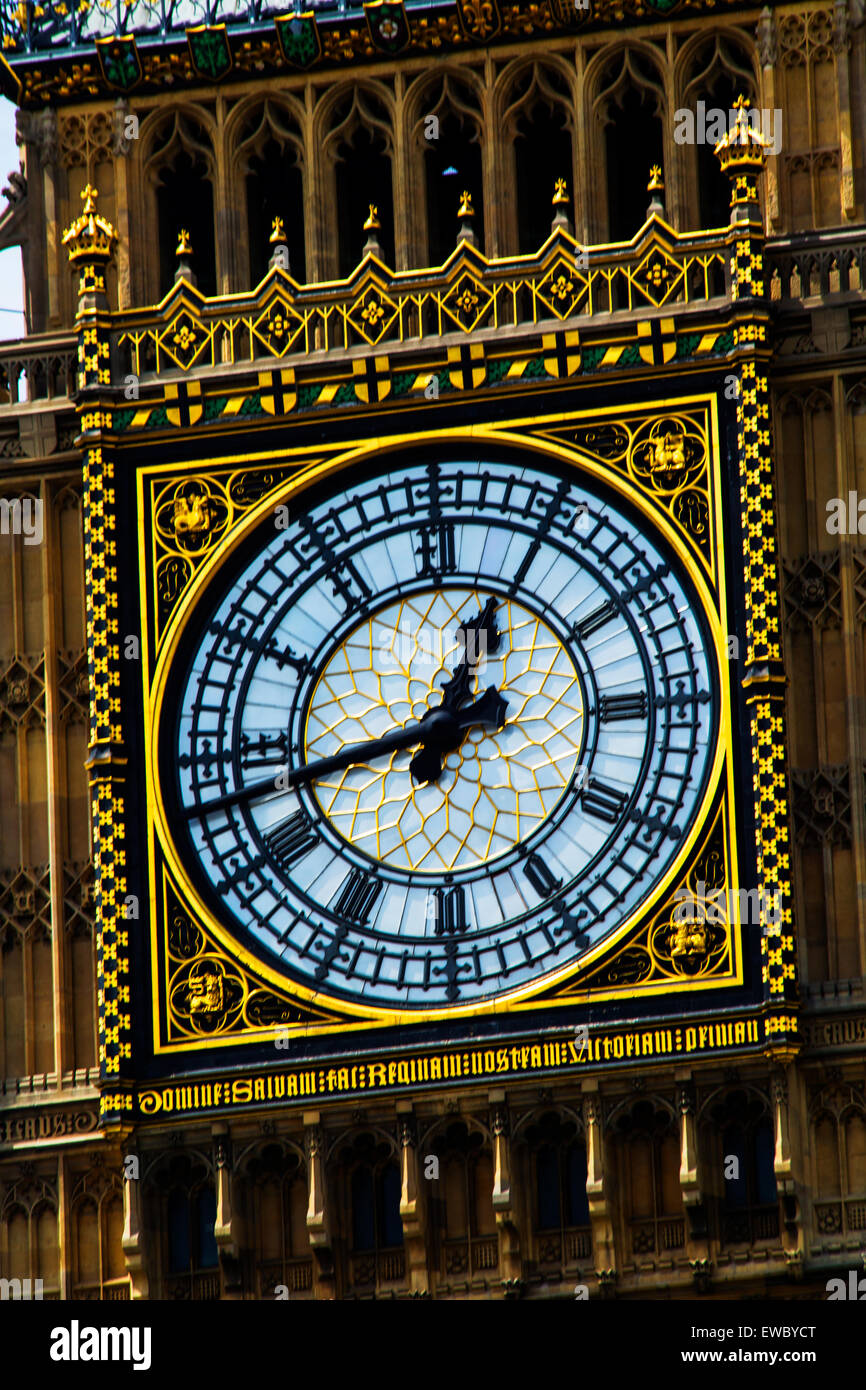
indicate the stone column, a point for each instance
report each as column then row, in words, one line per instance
column 317, row 1206
column 509, row 1237
column 413, row 1206
column 224, row 1234
column 597, row 1188
column 132, row 1241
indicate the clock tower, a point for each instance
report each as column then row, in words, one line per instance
column 452, row 893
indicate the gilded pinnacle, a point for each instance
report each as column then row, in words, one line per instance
column 91, row 236
column 372, row 223
column 656, row 182
column 278, row 230
column 465, row 209
column 184, row 247
column 560, row 192
column 744, row 145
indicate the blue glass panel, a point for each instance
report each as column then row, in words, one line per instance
column 578, row 1205
column 205, row 1212
column 179, row 1257
column 765, row 1178
column 736, row 1188
column 363, row 1215
column 390, row 1225
column 547, row 1178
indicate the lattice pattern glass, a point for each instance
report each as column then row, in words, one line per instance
column 499, row 786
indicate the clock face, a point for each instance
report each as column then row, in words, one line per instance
column 443, row 733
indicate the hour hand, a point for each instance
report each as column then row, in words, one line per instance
column 444, row 730
column 486, row 633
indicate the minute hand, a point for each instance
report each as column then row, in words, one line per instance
column 439, row 729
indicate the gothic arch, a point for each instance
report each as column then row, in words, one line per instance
column 455, row 97
column 533, row 1116
column 361, row 116
column 28, row 1231
column 364, row 1185
column 96, row 1221
column 549, row 1152
column 621, row 76
column 534, row 105
column 646, row 1138
column 180, row 1203
column 271, row 1201
column 267, row 172
column 178, row 154
column 721, row 63
column 463, row 1233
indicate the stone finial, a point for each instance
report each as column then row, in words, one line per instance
column 560, row 203
column 277, row 239
column 656, row 187
column 465, row 215
column 373, row 246
column 184, row 253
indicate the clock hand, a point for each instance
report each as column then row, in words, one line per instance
column 456, row 689
column 439, row 729
column 446, row 734
column 426, row 766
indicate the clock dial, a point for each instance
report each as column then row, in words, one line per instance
column 443, row 734
column 498, row 786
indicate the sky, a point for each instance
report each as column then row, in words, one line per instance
column 11, row 283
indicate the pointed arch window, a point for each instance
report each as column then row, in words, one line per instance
column 464, row 1221
column 181, row 168
column 28, row 1233
column 540, row 121
column 649, row 1152
column 719, row 72
column 631, row 108
column 359, row 145
column 270, row 151
column 452, row 163
column 181, row 1204
column 98, row 1268
column 749, row 1209
column 273, row 1195
column 372, row 1173
column 558, row 1154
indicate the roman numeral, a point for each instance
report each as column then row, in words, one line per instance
column 543, row 525
column 342, row 574
column 603, row 802
column 437, row 550
column 614, row 707
column 450, row 911
column 593, row 621
column 291, row 839
column 360, row 892
column 540, row 877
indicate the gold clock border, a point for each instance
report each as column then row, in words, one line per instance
column 325, row 1014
